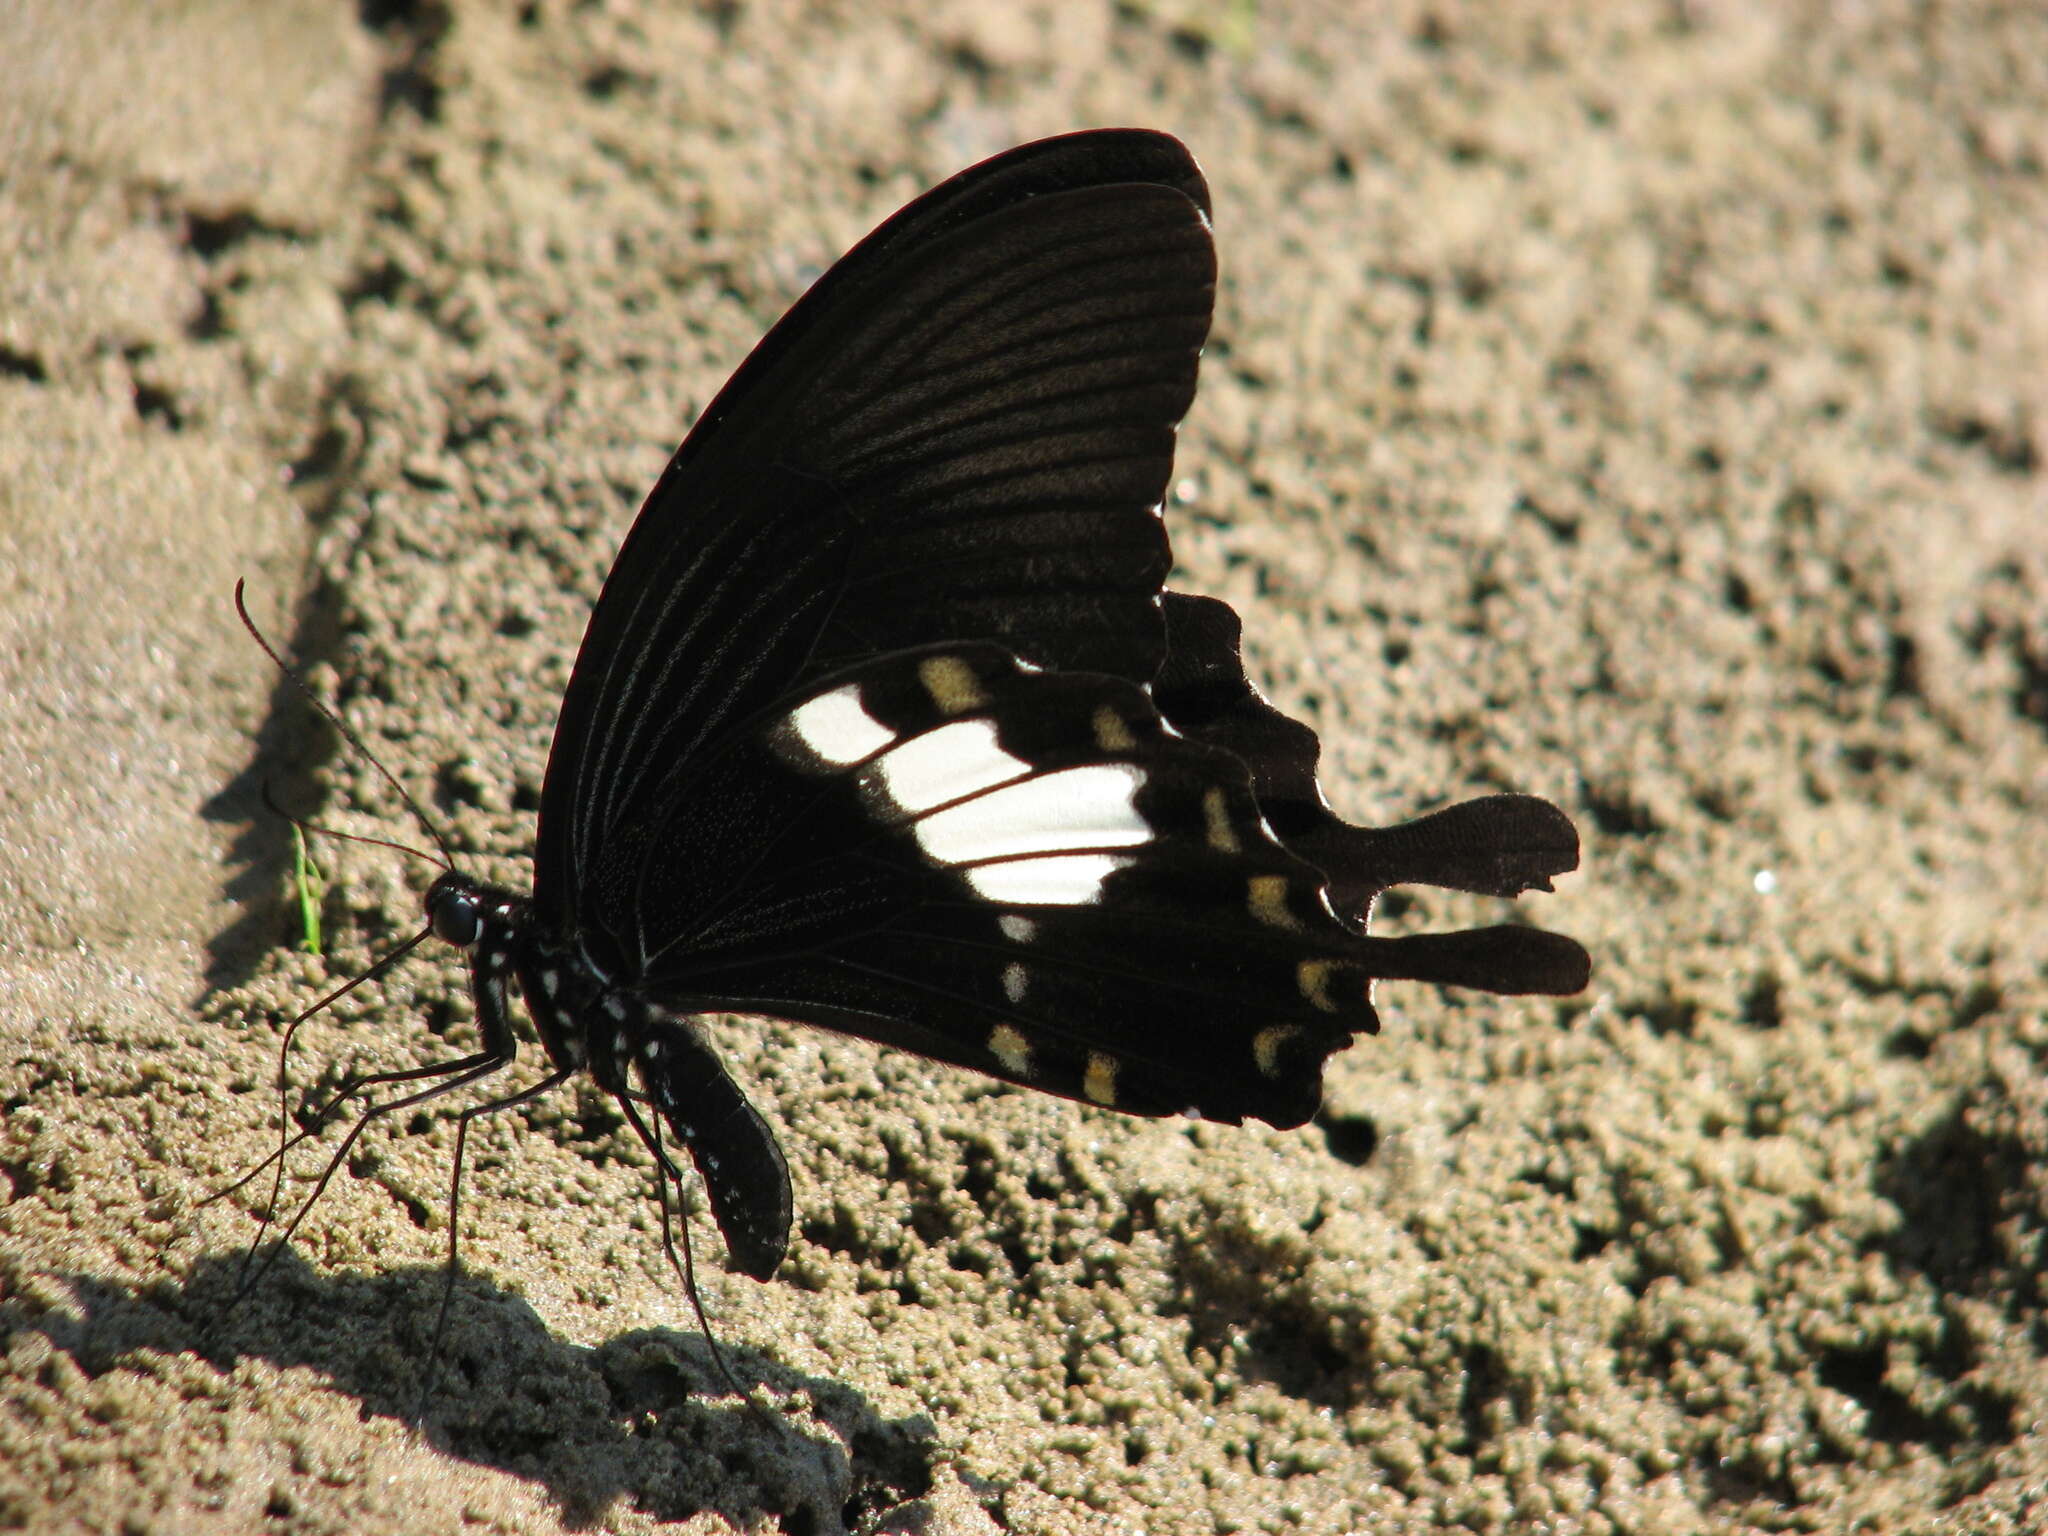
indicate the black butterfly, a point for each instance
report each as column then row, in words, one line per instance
column 883, row 723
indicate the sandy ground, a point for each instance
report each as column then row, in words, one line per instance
column 1640, row 406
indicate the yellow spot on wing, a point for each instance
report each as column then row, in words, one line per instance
column 1099, row 1082
column 1269, row 901
column 1010, row 1047
column 1267, row 1045
column 1313, row 977
column 952, row 684
column 1112, row 733
column 1216, row 816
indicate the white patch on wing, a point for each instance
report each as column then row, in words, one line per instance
column 834, row 726
column 949, row 763
column 1015, row 979
column 1018, row 930
column 1090, row 807
column 1099, row 1082
column 1072, row 881
column 1009, row 1046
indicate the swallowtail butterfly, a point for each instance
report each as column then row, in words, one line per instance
column 883, row 722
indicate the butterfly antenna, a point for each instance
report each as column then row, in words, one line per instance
column 314, row 829
column 347, row 735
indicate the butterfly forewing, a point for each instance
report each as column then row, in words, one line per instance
column 970, row 440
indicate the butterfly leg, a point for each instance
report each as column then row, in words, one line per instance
column 499, row 1048
column 685, row 1267
column 457, row 1074
column 548, row 1084
column 742, row 1168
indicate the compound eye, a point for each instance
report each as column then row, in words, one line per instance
column 457, row 918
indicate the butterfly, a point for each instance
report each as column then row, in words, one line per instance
column 883, row 722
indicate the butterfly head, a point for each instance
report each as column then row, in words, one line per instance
column 456, row 907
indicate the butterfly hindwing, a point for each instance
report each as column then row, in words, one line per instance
column 1015, row 870
column 1498, row 845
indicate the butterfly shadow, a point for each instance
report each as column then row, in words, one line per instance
column 642, row 1418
